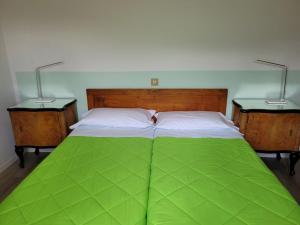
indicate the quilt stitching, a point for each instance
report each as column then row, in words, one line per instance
column 159, row 173
column 78, row 176
column 71, row 158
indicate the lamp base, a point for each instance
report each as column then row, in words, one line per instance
column 276, row 101
column 44, row 100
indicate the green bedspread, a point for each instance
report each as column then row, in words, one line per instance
column 86, row 180
column 215, row 182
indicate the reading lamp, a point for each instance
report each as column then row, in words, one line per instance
column 281, row 99
column 41, row 98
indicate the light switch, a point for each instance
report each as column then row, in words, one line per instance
column 154, row 82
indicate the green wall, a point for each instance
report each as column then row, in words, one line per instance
column 242, row 84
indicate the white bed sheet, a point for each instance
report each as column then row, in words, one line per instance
column 96, row 131
column 211, row 133
column 151, row 132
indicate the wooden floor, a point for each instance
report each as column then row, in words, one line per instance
column 13, row 175
column 281, row 169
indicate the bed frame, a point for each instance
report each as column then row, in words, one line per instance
column 160, row 99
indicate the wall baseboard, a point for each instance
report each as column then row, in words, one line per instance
column 7, row 163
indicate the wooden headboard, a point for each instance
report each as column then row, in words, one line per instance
column 159, row 99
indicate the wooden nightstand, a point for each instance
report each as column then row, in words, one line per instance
column 269, row 128
column 38, row 125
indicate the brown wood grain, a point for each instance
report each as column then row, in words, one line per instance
column 274, row 131
column 160, row 99
column 269, row 131
column 70, row 115
column 42, row 128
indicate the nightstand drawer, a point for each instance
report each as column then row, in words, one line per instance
column 37, row 128
column 273, row 131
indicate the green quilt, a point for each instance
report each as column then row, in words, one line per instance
column 86, row 180
column 215, row 182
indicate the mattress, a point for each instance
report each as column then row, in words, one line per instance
column 100, row 131
column 152, row 132
column 85, row 180
column 199, row 133
column 214, row 181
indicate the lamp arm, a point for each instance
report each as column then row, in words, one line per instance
column 38, row 77
column 283, row 79
column 38, row 84
column 48, row 65
column 283, row 92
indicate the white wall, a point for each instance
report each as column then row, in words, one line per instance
column 151, row 35
column 7, row 98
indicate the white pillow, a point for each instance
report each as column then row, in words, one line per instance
column 117, row 117
column 192, row 120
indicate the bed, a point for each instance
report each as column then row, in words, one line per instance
column 146, row 176
column 214, row 181
column 96, row 176
column 86, row 180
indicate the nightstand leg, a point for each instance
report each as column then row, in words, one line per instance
column 37, row 151
column 278, row 156
column 294, row 157
column 19, row 151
